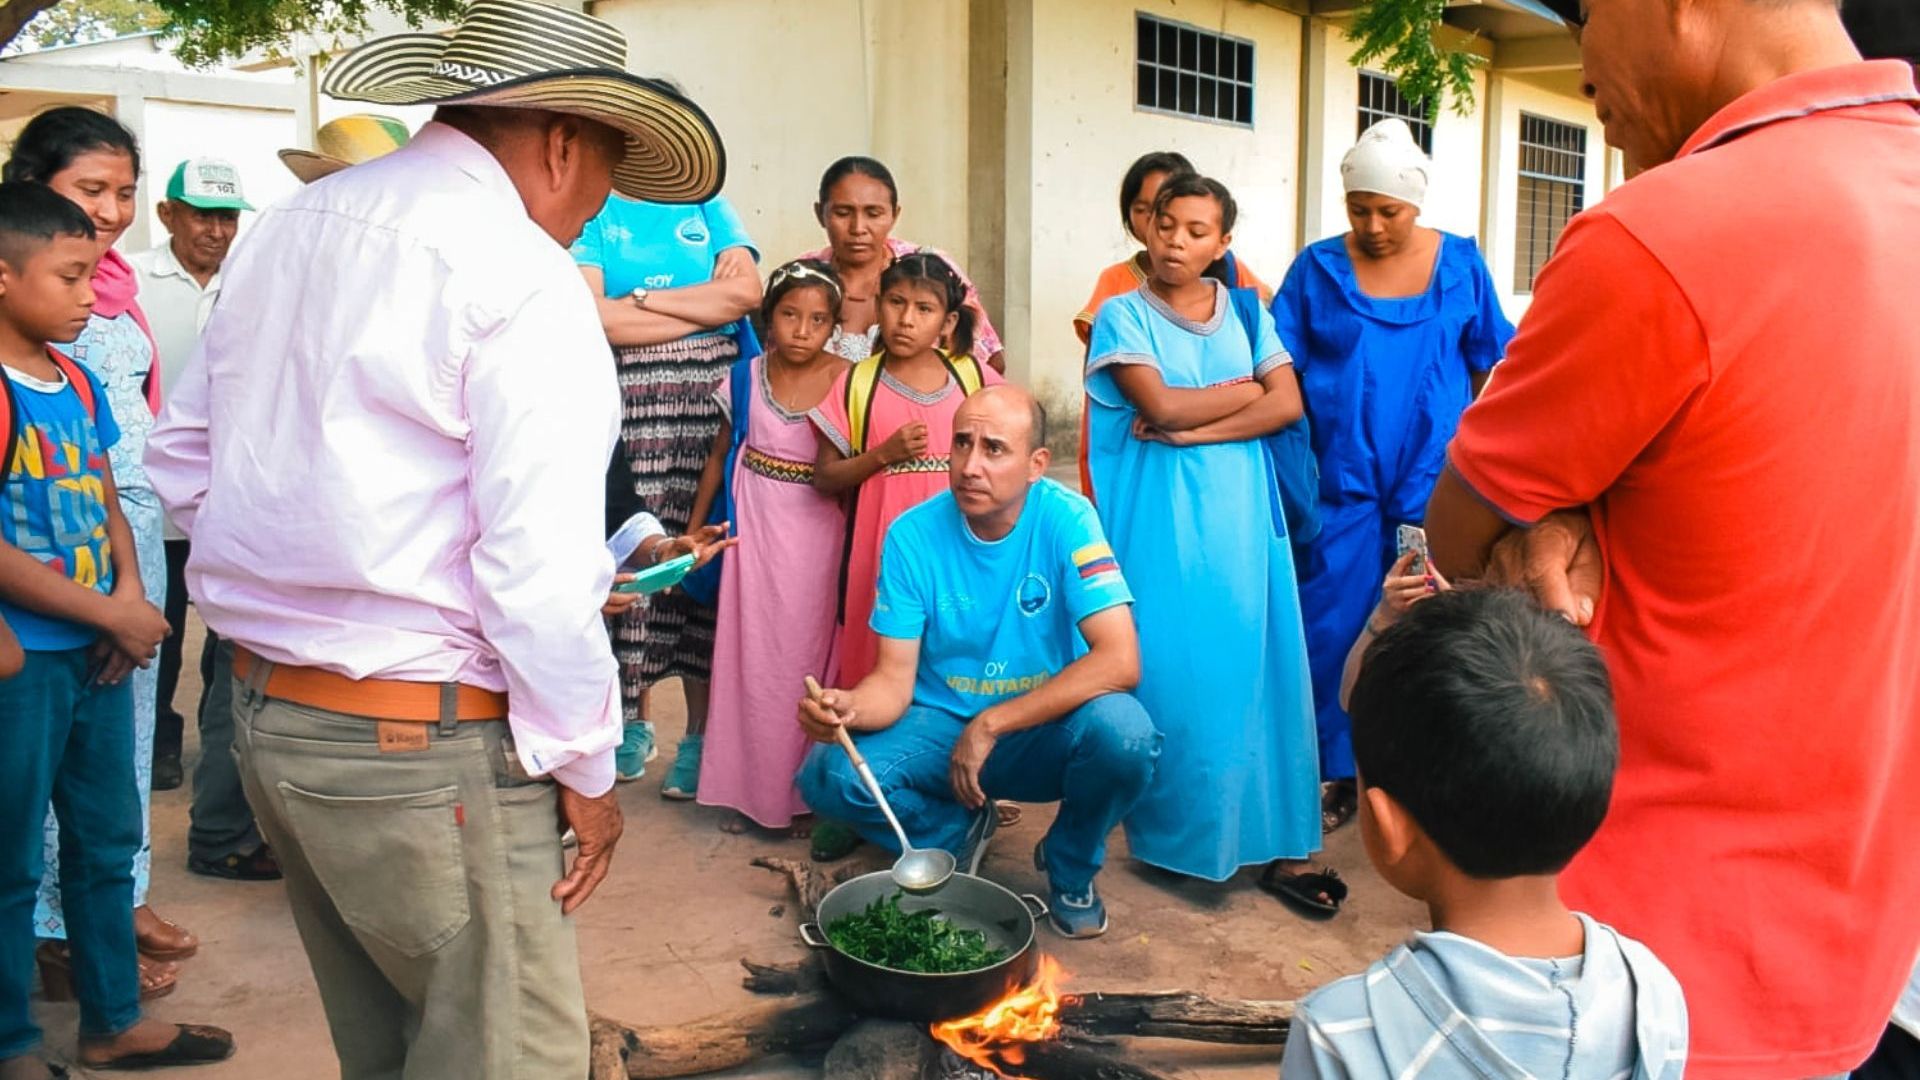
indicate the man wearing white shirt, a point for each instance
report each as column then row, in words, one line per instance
column 179, row 281
column 390, row 453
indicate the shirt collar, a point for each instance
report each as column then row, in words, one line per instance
column 166, row 264
column 458, row 149
column 1805, row 93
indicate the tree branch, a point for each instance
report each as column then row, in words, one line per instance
column 16, row 14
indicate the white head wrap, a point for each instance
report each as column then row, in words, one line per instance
column 1386, row 161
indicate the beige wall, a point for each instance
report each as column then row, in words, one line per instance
column 1086, row 131
column 794, row 85
column 1515, row 95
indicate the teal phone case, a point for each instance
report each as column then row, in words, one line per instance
column 655, row 578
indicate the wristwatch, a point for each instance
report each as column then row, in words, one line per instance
column 640, row 297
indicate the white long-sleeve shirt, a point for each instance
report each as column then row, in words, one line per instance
column 390, row 448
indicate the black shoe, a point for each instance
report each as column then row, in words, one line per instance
column 167, row 773
column 257, row 865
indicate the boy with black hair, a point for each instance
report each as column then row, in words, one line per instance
column 1484, row 733
column 70, row 589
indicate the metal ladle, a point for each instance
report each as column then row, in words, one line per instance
column 918, row 870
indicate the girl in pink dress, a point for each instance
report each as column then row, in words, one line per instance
column 886, row 427
column 779, row 589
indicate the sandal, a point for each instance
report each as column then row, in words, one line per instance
column 256, row 865
column 158, row 978
column 1311, row 894
column 833, row 841
column 193, row 1044
column 1339, row 802
column 160, row 939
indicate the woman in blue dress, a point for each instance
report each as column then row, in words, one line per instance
column 1393, row 329
column 1181, row 395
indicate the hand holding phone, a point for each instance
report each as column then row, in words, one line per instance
column 1413, row 538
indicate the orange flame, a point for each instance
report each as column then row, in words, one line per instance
column 993, row 1038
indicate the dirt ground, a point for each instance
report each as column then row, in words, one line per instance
column 662, row 939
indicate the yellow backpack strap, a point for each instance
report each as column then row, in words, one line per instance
column 861, row 383
column 966, row 372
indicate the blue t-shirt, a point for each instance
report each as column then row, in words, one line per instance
column 657, row 245
column 53, row 502
column 994, row 619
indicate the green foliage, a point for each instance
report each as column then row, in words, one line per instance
column 207, row 31
column 923, row 941
column 1398, row 36
column 77, row 21
column 203, row 32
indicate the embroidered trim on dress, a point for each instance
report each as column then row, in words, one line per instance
column 1220, row 304
column 937, row 464
column 915, row 396
column 773, row 468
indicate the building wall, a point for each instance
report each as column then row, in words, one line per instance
column 1514, row 95
column 1085, row 131
column 792, row 86
column 250, row 138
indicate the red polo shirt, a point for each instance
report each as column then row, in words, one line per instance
column 1723, row 361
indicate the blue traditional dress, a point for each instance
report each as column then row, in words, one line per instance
column 1385, row 382
column 1223, row 662
column 118, row 352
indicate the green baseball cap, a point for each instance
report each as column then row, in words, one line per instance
column 207, row 184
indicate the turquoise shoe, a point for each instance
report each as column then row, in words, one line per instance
column 683, row 780
column 636, row 749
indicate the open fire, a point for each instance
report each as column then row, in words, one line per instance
column 996, row 1037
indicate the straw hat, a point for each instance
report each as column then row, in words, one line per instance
column 350, row 140
column 525, row 54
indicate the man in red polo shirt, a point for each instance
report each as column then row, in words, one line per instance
column 1714, row 404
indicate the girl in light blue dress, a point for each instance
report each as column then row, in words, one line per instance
column 1181, row 395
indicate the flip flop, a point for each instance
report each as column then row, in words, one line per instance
column 1338, row 805
column 193, row 1044
column 1302, row 892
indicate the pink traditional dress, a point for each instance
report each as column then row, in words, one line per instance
column 779, row 591
column 888, row 493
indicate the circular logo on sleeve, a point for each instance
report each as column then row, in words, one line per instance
column 1033, row 595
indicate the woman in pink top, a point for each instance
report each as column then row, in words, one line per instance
column 892, row 454
column 859, row 205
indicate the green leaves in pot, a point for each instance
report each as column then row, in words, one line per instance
column 922, row 941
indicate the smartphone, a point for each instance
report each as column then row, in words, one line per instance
column 1413, row 538
column 655, row 578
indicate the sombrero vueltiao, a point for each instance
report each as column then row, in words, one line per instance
column 347, row 141
column 529, row 55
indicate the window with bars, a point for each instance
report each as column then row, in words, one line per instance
column 1191, row 72
column 1380, row 99
column 1553, row 188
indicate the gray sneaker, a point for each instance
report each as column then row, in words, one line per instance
column 973, row 850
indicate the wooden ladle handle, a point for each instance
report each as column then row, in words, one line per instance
column 840, row 735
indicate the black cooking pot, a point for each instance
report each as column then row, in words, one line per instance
column 969, row 902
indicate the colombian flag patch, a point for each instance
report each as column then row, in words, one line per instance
column 1094, row 560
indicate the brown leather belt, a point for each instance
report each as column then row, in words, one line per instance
column 378, row 699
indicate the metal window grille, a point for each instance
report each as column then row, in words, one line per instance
column 1191, row 72
column 1553, row 188
column 1380, row 99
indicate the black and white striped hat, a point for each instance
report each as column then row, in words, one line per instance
column 530, row 55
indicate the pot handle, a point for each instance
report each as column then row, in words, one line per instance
column 814, row 939
column 1035, row 905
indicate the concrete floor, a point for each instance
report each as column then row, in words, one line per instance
column 662, row 939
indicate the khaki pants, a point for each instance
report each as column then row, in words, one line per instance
column 419, row 881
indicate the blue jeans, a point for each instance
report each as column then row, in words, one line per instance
column 1095, row 762
column 70, row 743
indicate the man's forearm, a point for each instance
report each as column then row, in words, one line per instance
column 878, row 701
